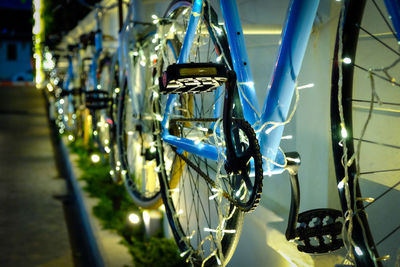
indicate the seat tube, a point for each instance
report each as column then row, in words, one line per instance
column 184, row 53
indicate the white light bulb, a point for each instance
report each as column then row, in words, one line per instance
column 346, row 60
column 146, row 217
column 95, row 158
column 134, row 218
column 358, row 251
column 344, row 132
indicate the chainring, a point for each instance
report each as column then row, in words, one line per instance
column 247, row 199
column 246, row 189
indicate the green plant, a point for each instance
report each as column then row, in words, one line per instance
column 156, row 252
column 113, row 208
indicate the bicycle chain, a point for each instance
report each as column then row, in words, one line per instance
column 256, row 156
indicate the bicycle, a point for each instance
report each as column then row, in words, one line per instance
column 97, row 82
column 219, row 160
column 68, row 99
column 119, row 124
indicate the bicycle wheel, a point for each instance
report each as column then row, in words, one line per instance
column 103, row 124
column 365, row 130
column 205, row 225
column 137, row 145
column 67, row 111
column 112, row 121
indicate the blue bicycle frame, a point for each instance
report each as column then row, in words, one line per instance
column 295, row 35
column 68, row 81
column 98, row 43
column 294, row 41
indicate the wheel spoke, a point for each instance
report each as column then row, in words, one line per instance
column 379, row 40
column 377, row 75
column 375, row 102
column 381, row 195
column 388, row 235
column 377, row 143
column 384, row 18
column 373, row 172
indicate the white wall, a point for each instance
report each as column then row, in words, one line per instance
column 22, row 64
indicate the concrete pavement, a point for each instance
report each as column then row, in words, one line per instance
column 33, row 231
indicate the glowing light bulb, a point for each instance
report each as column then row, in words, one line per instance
column 146, row 217
column 184, row 253
column 158, row 117
column 95, row 158
column 310, row 85
column 50, row 87
column 346, row 60
column 358, row 251
column 134, row 218
column 343, row 131
column 341, row 185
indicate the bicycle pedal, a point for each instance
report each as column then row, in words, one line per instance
column 74, row 91
column 97, row 99
column 319, row 230
column 192, row 78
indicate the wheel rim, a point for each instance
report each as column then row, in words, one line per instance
column 138, row 148
column 362, row 81
column 205, row 225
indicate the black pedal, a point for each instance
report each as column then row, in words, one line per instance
column 74, row 91
column 97, row 99
column 192, row 78
column 318, row 231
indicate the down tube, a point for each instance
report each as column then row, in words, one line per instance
column 295, row 35
column 184, row 55
column 240, row 61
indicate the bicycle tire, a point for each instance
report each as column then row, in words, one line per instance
column 102, row 126
column 193, row 229
column 112, row 120
column 349, row 123
column 68, row 115
column 136, row 142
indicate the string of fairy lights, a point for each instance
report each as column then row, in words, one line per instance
column 38, row 36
